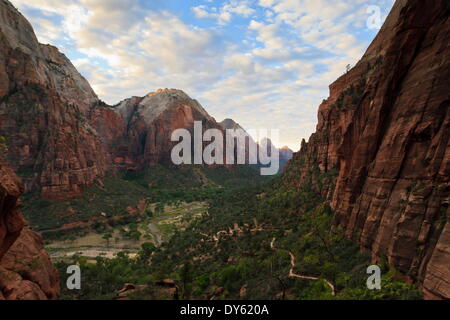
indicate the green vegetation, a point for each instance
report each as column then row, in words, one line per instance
column 157, row 184
column 194, row 177
column 26, row 172
column 351, row 97
column 112, row 198
column 108, row 237
column 105, row 277
column 230, row 248
column 3, row 145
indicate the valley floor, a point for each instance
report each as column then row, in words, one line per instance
column 263, row 242
column 155, row 229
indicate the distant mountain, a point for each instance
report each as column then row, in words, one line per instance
column 285, row 153
column 230, row 124
column 149, row 123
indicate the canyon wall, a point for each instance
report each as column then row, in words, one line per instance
column 44, row 103
column 385, row 131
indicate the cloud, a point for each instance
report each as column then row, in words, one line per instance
column 224, row 14
column 241, row 62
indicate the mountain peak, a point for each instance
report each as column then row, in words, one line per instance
column 166, row 90
column 155, row 103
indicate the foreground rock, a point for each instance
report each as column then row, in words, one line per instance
column 165, row 288
column 26, row 272
column 385, row 130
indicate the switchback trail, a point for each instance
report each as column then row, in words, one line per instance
column 292, row 274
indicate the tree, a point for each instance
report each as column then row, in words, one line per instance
column 136, row 235
column 186, row 278
column 148, row 212
column 146, row 251
column 159, row 208
column 107, row 237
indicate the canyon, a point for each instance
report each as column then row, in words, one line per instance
column 383, row 135
column 60, row 138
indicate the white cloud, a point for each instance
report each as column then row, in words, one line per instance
column 224, row 14
column 241, row 62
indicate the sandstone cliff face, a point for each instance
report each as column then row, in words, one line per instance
column 26, row 272
column 11, row 222
column 150, row 121
column 44, row 103
column 385, row 129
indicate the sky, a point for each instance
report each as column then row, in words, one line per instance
column 266, row 64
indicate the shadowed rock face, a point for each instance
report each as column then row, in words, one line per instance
column 286, row 154
column 385, row 128
column 26, row 272
column 11, row 221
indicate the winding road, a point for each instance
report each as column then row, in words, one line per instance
column 292, row 274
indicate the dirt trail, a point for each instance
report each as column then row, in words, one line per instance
column 235, row 230
column 292, row 274
column 206, row 182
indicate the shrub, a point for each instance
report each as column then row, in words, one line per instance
column 3, row 145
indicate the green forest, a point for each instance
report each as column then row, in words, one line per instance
column 241, row 249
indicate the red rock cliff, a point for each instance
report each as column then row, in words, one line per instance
column 150, row 121
column 385, row 129
column 44, row 104
column 26, row 272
